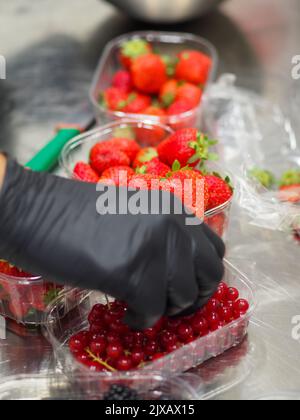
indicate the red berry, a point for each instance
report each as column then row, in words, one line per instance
column 122, row 81
column 173, row 347
column 113, row 338
column 220, row 190
column 138, row 339
column 232, row 294
column 150, row 333
column 242, row 306
column 213, row 305
column 225, row 313
column 158, row 356
column 114, row 351
column 124, row 364
column 137, row 357
column 185, row 332
column 96, row 313
column 200, row 326
column 172, row 324
column 83, row 358
column 168, row 339
column 149, row 73
column 98, row 346
column 95, row 367
column 79, row 342
column 97, row 328
column 193, row 67
column 119, row 327
column 84, row 172
column 213, row 321
column 151, row 348
column 221, row 293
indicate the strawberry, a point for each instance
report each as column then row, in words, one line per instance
column 290, row 193
column 155, row 111
column 113, row 99
column 113, row 174
column 181, row 106
column 155, row 167
column 133, row 49
column 40, row 296
column 220, row 190
column 144, row 156
column 189, row 197
column 168, row 93
column 10, row 270
column 188, row 146
column 193, row 67
column 153, row 136
column 217, row 223
column 122, row 80
column 142, row 181
column 103, row 157
column 126, row 145
column 190, row 92
column 149, row 73
column 136, row 103
column 290, row 186
column 84, row 172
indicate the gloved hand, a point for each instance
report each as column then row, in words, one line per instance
column 158, row 265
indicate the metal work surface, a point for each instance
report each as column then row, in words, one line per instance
column 52, row 48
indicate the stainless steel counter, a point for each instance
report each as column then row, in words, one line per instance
column 51, row 48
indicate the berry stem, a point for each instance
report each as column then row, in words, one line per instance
column 100, row 361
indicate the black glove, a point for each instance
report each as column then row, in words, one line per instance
column 158, row 265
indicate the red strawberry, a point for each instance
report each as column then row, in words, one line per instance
column 290, row 186
column 11, row 270
column 154, row 135
column 189, row 92
column 155, row 167
column 155, row 111
column 193, row 67
column 113, row 99
column 142, row 181
column 128, row 146
column 149, row 73
column 219, row 189
column 133, row 49
column 190, row 197
column 168, row 93
column 103, row 157
column 144, row 156
column 40, row 296
column 217, row 223
column 84, row 172
column 136, row 103
column 188, row 146
column 122, row 80
column 113, row 174
column 181, row 106
column 290, row 193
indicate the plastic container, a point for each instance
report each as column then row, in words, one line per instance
column 165, row 43
column 48, row 387
column 25, row 299
column 62, row 322
column 146, row 134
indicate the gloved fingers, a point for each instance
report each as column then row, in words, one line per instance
column 209, row 268
column 215, row 240
column 183, row 289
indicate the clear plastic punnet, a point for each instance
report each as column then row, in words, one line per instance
column 167, row 43
column 253, row 133
column 25, row 299
column 147, row 134
column 65, row 319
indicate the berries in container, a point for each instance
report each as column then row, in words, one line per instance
column 92, row 342
column 23, row 297
column 158, row 76
column 142, row 152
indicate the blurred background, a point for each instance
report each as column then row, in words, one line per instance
column 53, row 46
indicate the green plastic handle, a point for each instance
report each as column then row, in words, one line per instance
column 47, row 158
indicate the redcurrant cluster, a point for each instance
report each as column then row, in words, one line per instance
column 110, row 345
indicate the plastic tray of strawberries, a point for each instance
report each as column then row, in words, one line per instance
column 78, row 161
column 161, row 75
column 23, row 297
column 102, row 348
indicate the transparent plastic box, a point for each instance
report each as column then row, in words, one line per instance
column 147, row 134
column 52, row 387
column 164, row 42
column 25, row 299
column 63, row 320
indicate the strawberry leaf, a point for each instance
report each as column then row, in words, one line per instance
column 176, row 166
